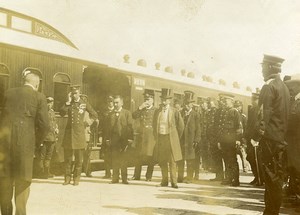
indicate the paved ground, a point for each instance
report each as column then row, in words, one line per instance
column 96, row 196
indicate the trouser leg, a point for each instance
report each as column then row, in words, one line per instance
column 68, row 153
column 115, row 165
column 164, row 173
column 123, row 166
column 138, row 168
column 6, row 195
column 150, row 168
column 173, row 170
column 190, row 168
column 180, row 165
column 22, row 190
column 78, row 165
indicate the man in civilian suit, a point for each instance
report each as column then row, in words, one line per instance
column 24, row 125
column 190, row 139
column 121, row 135
column 167, row 128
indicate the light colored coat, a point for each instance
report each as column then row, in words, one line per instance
column 176, row 126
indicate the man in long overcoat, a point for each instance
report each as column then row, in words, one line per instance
column 121, row 136
column 167, row 127
column 145, row 114
column 190, row 138
column 274, row 101
column 104, row 126
column 74, row 141
column 24, row 124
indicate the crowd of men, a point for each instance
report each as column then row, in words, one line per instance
column 190, row 135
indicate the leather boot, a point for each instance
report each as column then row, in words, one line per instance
column 76, row 176
column 67, row 174
column 67, row 180
column 47, row 169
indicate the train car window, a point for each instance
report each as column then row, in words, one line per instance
column 37, row 71
column 4, row 81
column 61, row 82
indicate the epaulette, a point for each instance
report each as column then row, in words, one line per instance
column 269, row 81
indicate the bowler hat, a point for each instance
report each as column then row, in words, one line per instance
column 166, row 93
column 188, row 96
column 148, row 93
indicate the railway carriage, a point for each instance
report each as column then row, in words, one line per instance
column 28, row 43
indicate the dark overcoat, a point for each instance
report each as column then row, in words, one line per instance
column 176, row 126
column 191, row 135
column 24, row 124
column 274, row 101
column 74, row 137
column 147, row 140
column 120, row 130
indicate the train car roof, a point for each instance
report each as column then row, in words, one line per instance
column 128, row 68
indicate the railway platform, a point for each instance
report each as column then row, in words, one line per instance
column 96, row 196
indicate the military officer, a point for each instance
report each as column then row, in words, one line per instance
column 145, row 114
column 74, row 141
column 230, row 132
column 215, row 120
column 167, row 127
column 274, row 101
column 242, row 144
column 190, row 139
column 254, row 151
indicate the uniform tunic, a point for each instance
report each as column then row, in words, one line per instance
column 74, row 137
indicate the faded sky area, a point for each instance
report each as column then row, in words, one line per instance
column 225, row 39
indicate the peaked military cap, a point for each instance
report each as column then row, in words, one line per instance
column 49, row 99
column 273, row 60
column 166, row 93
column 148, row 93
column 255, row 95
column 74, row 88
column 110, row 99
column 30, row 71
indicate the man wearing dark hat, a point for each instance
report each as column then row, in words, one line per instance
column 190, row 139
column 229, row 133
column 145, row 114
column 24, row 124
column 167, row 127
column 74, row 141
column 106, row 147
column 47, row 147
column 274, row 102
column 254, row 151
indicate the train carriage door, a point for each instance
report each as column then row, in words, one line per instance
column 4, row 81
column 37, row 71
column 100, row 82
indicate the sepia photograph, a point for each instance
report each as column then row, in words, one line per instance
column 149, row 107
